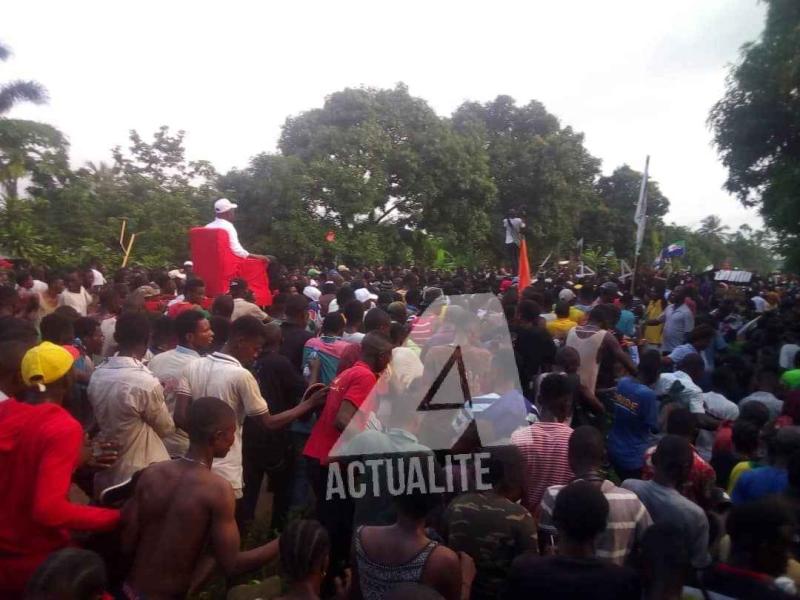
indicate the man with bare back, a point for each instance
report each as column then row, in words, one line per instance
column 180, row 507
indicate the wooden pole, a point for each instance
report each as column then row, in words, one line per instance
column 128, row 251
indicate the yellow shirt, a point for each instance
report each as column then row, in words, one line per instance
column 577, row 315
column 559, row 327
column 736, row 472
column 652, row 333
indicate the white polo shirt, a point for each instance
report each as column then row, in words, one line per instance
column 222, row 376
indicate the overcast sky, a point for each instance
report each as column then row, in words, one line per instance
column 635, row 76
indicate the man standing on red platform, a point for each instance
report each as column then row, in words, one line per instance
column 225, row 211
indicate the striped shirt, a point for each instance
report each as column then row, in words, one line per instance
column 628, row 519
column 544, row 453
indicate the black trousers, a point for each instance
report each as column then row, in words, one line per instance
column 336, row 515
column 512, row 250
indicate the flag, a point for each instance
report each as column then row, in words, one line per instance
column 675, row 249
column 524, row 268
column 330, row 236
column 640, row 218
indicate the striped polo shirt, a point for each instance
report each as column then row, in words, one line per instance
column 543, row 447
column 628, row 519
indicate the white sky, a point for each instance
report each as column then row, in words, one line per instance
column 635, row 76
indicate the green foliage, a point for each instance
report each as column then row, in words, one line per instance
column 757, row 125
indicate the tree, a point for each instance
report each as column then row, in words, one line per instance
column 537, row 165
column 609, row 223
column 757, row 125
column 712, row 226
column 14, row 92
column 377, row 160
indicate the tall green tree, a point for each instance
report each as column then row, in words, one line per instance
column 381, row 157
column 757, row 125
column 537, row 166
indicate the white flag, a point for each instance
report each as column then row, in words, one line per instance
column 640, row 218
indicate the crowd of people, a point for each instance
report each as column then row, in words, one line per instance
column 638, row 443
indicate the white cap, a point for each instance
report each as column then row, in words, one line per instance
column 223, row 205
column 363, row 295
column 188, row 263
column 566, row 295
column 311, row 293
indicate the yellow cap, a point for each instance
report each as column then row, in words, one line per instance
column 46, row 362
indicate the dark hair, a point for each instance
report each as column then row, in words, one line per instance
column 57, row 328
column 754, row 524
column 8, row 296
column 419, row 503
column 604, row 314
column 85, row 327
column 333, row 323
column 353, row 311
column 398, row 332
column 673, row 457
column 650, row 365
column 205, row 416
column 344, row 295
column 745, row 436
column 13, row 329
column 222, row 306
column 296, row 306
column 303, row 545
column 505, row 466
column 221, row 328
column 665, row 552
column 553, row 388
column 755, row 412
column 68, row 573
column 247, row 327
column 186, row 324
column 376, row 318
column 691, row 363
column 193, row 284
column 562, row 309
column 528, row 310
column 132, row 329
column 681, row 421
column 413, row 296
column 701, row 332
column 581, row 511
column 586, row 447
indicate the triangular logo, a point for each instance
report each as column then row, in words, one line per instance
column 456, row 358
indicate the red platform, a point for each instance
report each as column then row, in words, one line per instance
column 216, row 265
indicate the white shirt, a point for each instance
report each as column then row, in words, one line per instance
column 169, row 368
column 719, row 407
column 760, row 303
column 80, row 301
column 97, row 278
column 224, row 377
column 512, row 227
column 40, row 287
column 108, row 326
column 787, row 356
column 681, row 387
column 233, row 237
column 243, row 308
column 129, row 406
column 3, row 396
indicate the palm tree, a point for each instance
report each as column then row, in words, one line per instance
column 18, row 91
column 712, row 226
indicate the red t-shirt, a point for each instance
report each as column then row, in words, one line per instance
column 39, row 449
column 353, row 385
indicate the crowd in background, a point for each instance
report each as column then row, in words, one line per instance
column 643, row 442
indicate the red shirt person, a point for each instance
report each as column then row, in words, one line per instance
column 348, row 396
column 40, row 447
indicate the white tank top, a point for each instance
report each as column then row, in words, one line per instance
column 587, row 348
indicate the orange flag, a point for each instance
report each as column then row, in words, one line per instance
column 524, row 268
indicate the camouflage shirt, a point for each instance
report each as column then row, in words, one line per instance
column 493, row 531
